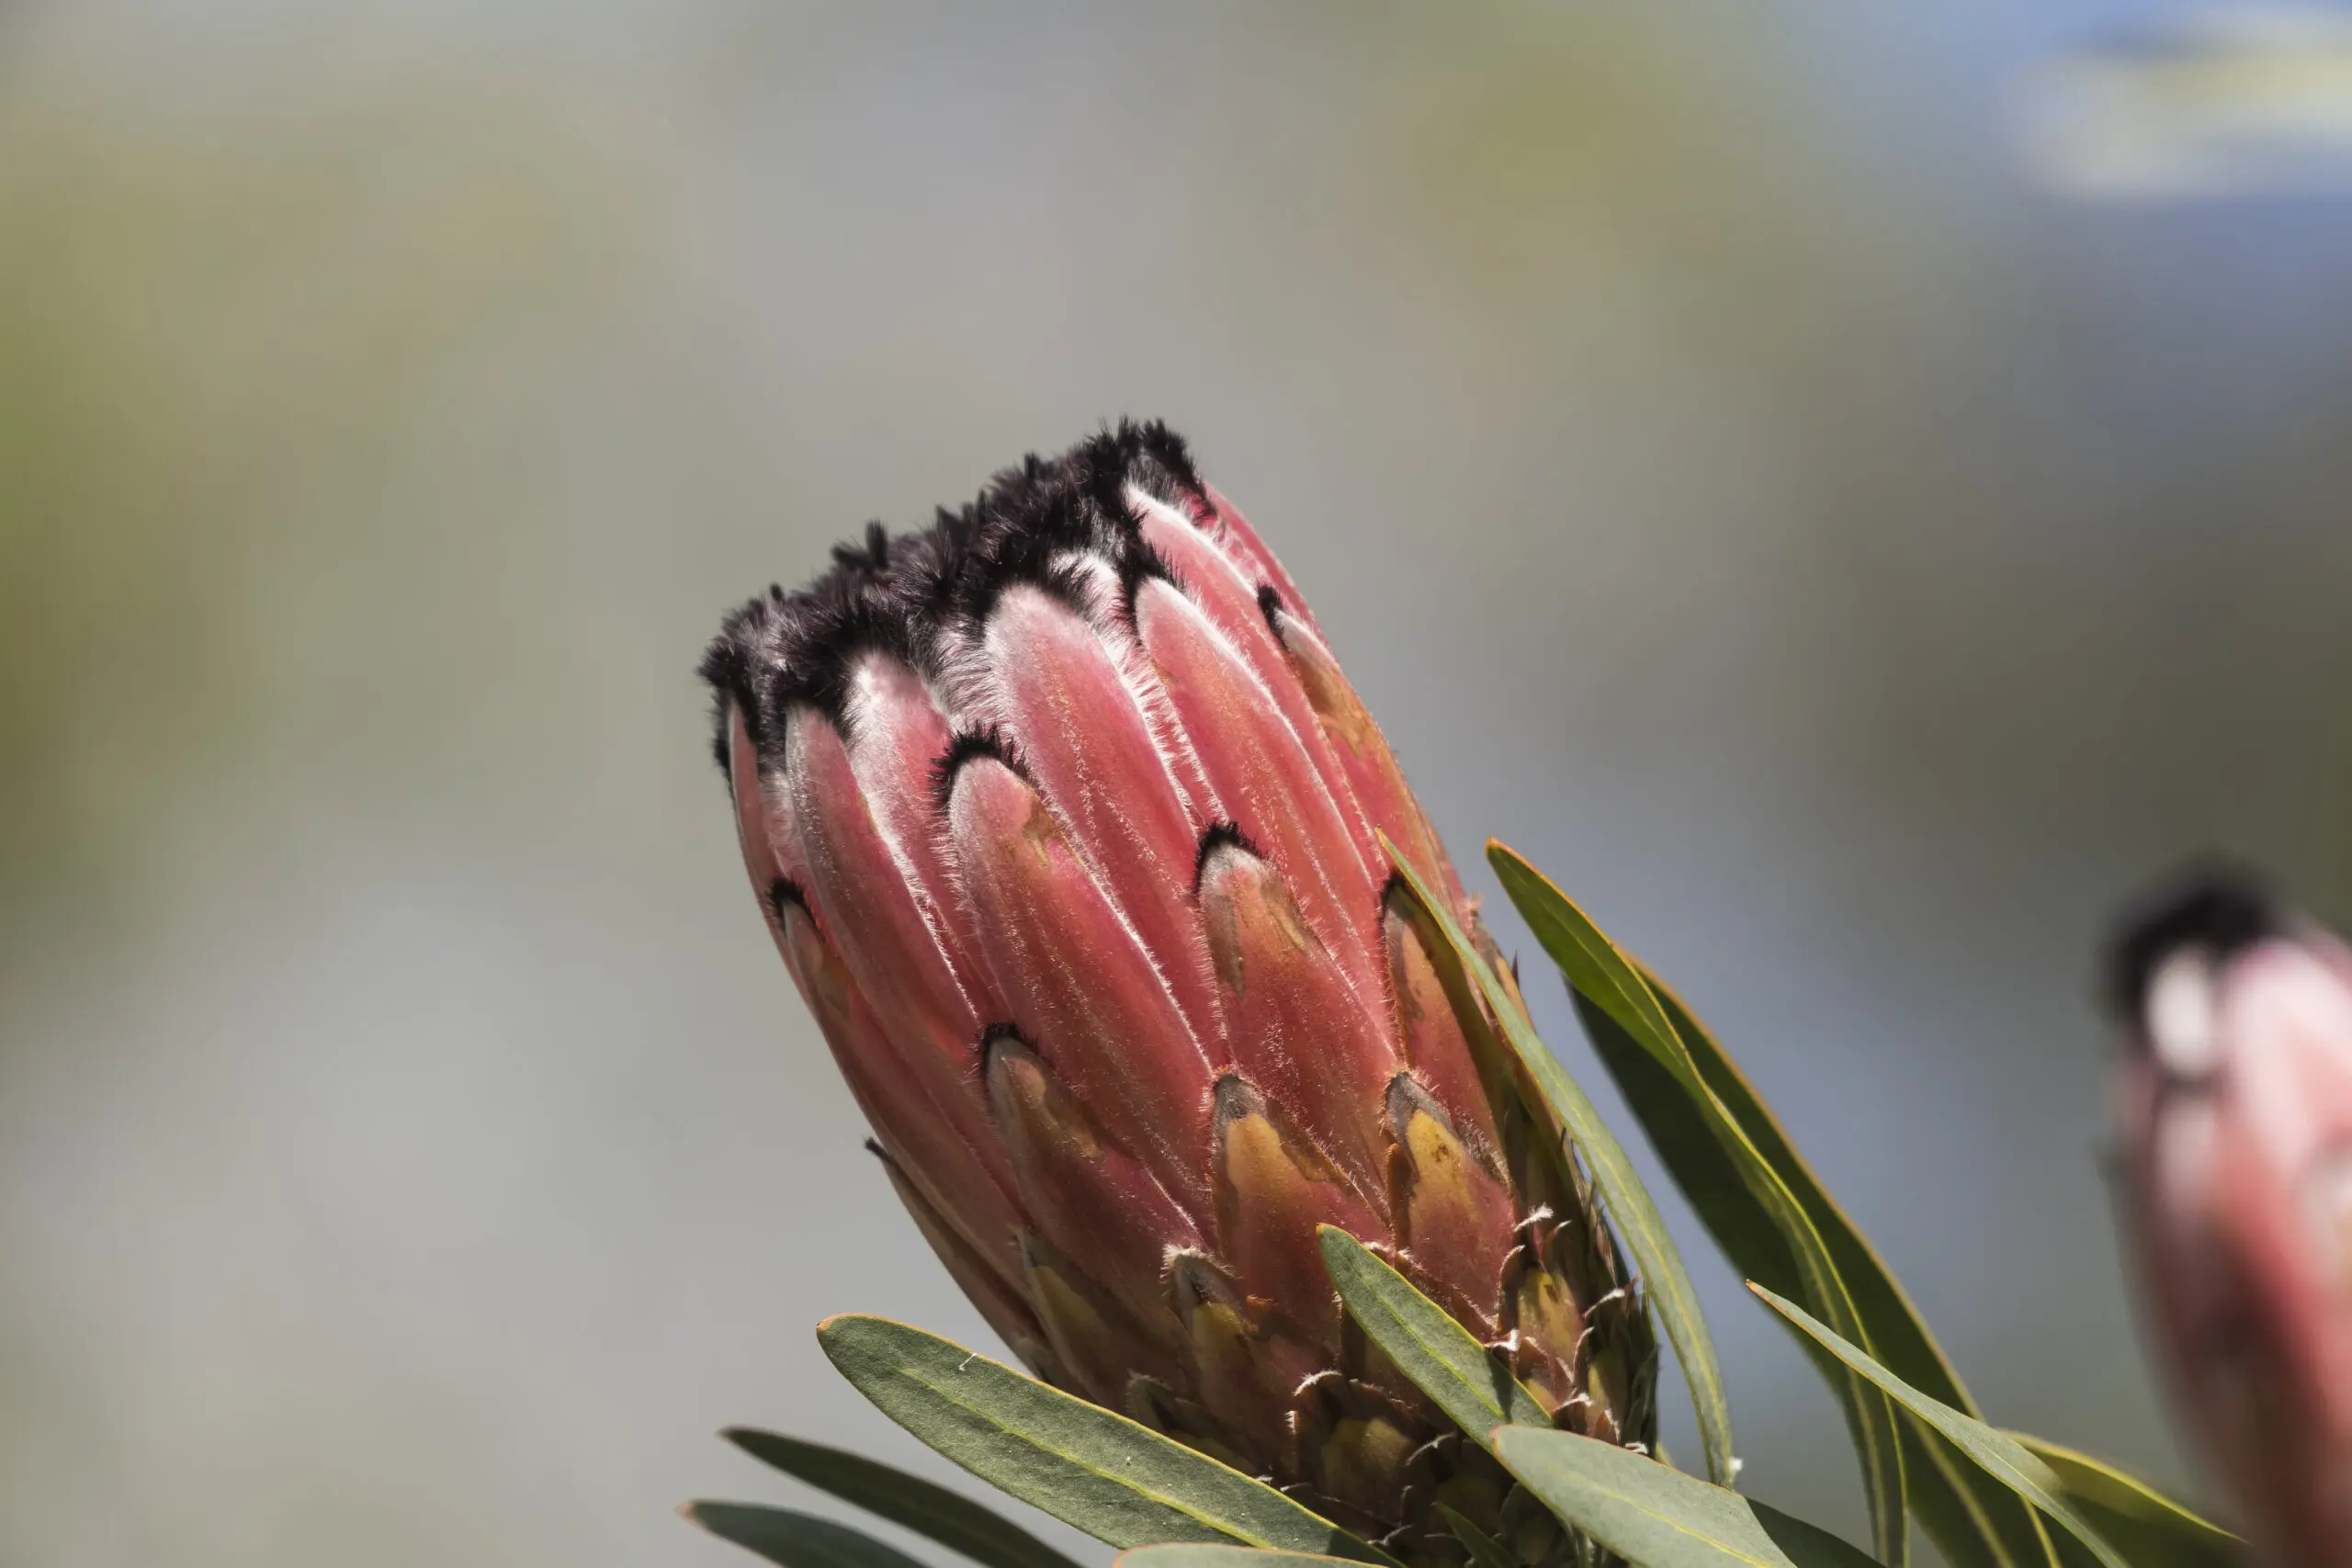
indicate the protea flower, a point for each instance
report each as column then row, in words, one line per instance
column 1062, row 814
column 2235, row 1115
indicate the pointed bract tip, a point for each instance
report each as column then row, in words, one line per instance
column 997, row 1037
column 1222, row 834
column 970, row 746
column 2213, row 904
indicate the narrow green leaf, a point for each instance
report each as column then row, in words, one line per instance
column 1689, row 1146
column 1442, row 1359
column 1119, row 1481
column 1666, row 1282
column 1593, row 963
column 2000, row 1456
column 1619, row 1006
column 1660, row 1518
column 1486, row 1551
column 797, row 1540
column 1973, row 1520
column 1185, row 1555
column 1899, row 1334
column 952, row 1519
column 2147, row 1526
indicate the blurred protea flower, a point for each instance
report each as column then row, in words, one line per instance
column 2234, row 1109
column 1063, row 816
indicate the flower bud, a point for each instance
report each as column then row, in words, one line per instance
column 1067, row 823
column 2233, row 1105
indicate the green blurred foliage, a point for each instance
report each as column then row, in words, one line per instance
column 224, row 342
column 2057, row 577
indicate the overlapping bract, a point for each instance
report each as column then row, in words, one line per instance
column 1063, row 815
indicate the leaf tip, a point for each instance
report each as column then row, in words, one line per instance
column 829, row 1328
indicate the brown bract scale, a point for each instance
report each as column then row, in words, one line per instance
column 1066, row 823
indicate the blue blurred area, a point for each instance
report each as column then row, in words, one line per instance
column 1735, row 474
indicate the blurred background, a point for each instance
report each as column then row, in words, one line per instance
column 1780, row 467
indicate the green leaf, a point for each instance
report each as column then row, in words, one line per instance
column 1187, row 1555
column 1119, row 1481
column 1486, row 1551
column 1666, row 1282
column 1999, row 1455
column 1442, row 1359
column 1658, row 1517
column 797, row 1540
column 2147, row 1526
column 954, row 1521
column 1973, row 1520
column 1620, row 1006
column 1685, row 1138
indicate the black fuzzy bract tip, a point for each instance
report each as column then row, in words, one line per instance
column 1138, row 566
column 2220, row 908
column 969, row 746
column 1220, row 836
column 1149, row 455
column 786, row 894
column 869, row 556
column 904, row 594
column 726, row 668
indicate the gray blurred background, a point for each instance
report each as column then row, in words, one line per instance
column 1845, row 558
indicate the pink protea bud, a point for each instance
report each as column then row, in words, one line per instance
column 1065, row 821
column 2235, row 1108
